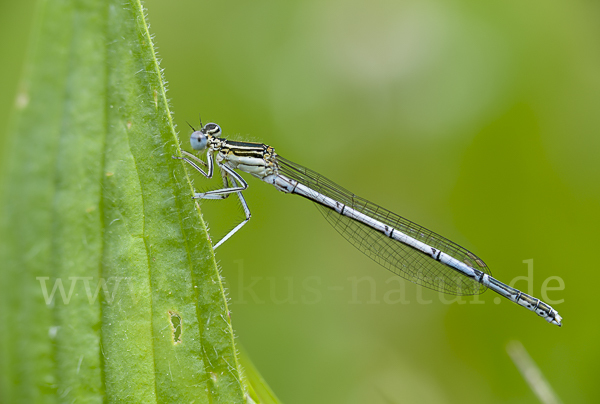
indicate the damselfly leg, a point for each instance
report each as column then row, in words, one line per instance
column 223, row 193
column 238, row 184
column 188, row 159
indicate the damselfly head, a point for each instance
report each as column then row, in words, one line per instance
column 199, row 138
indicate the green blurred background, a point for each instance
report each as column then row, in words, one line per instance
column 479, row 120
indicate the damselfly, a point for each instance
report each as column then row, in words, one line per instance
column 403, row 247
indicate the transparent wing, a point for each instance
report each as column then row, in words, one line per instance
column 397, row 257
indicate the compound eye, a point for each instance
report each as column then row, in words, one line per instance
column 212, row 129
column 198, row 140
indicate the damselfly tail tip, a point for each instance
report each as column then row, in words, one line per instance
column 557, row 320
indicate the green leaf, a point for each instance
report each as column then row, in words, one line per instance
column 109, row 287
column 258, row 389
